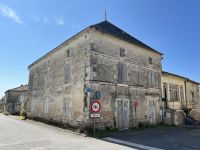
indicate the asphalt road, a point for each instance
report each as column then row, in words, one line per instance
column 30, row 135
column 168, row 138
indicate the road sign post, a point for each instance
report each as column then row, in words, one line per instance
column 95, row 107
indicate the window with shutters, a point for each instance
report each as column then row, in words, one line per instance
column 152, row 79
column 122, row 72
column 66, row 73
column 174, row 92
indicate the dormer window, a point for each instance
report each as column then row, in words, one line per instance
column 122, row 52
column 150, row 60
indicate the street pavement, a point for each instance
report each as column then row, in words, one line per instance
column 17, row 134
column 168, row 138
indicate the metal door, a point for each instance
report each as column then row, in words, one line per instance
column 122, row 113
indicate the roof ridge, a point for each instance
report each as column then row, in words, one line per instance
column 109, row 28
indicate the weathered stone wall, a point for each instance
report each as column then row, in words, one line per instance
column 57, row 82
column 14, row 100
column 142, row 81
column 192, row 93
column 93, row 65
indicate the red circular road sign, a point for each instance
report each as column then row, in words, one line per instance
column 95, row 106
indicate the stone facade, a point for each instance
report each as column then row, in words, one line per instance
column 15, row 100
column 2, row 104
column 179, row 91
column 124, row 76
column 141, row 82
column 180, row 98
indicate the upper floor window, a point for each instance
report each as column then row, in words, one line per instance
column 93, row 46
column 192, row 93
column 37, row 69
column 150, row 60
column 122, row 52
column 70, row 52
column 174, row 92
column 122, row 72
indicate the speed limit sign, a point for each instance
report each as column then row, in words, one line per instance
column 95, row 106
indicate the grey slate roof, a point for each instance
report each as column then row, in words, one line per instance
column 113, row 30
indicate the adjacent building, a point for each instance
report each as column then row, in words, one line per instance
column 180, row 97
column 2, row 104
column 101, row 62
column 179, row 92
column 16, row 99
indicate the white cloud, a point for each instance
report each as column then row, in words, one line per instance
column 59, row 21
column 10, row 13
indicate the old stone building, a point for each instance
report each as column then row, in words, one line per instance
column 15, row 100
column 180, row 96
column 2, row 104
column 100, row 62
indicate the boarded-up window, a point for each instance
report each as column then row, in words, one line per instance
column 152, row 79
column 67, row 73
column 134, row 77
column 122, row 72
column 142, row 77
column 157, row 80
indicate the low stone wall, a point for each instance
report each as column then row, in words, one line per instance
column 1, row 109
column 195, row 114
column 174, row 117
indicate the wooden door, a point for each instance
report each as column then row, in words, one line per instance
column 152, row 111
column 122, row 113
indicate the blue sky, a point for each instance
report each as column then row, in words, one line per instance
column 31, row 28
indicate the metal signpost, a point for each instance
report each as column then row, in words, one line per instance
column 95, row 107
column 135, row 104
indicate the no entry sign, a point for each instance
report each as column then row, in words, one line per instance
column 95, row 106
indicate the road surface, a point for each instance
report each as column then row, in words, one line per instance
column 17, row 134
